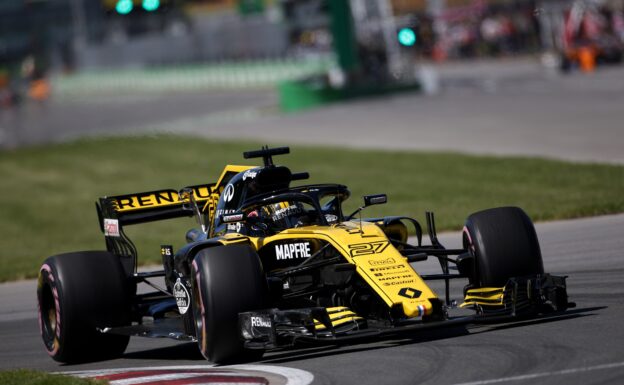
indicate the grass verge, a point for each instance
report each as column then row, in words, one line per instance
column 47, row 194
column 31, row 377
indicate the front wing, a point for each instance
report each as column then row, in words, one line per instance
column 520, row 297
column 274, row 328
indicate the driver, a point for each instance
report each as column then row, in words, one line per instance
column 278, row 216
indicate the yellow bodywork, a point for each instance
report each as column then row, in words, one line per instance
column 484, row 296
column 380, row 264
column 210, row 205
column 363, row 244
column 206, row 195
column 338, row 316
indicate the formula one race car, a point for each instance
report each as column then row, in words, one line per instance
column 273, row 265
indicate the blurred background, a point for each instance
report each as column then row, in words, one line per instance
column 106, row 97
column 69, row 47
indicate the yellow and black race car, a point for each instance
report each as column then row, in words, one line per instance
column 272, row 265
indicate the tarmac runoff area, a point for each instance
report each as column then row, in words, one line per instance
column 510, row 107
column 528, row 112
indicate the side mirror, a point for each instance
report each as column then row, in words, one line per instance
column 369, row 200
column 375, row 199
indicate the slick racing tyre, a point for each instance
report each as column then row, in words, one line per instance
column 77, row 294
column 227, row 280
column 504, row 244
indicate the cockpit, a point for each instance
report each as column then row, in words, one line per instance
column 264, row 197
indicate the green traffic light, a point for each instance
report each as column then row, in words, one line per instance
column 406, row 37
column 151, row 5
column 124, row 7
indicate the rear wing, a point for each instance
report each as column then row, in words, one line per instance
column 151, row 206
column 157, row 205
column 115, row 212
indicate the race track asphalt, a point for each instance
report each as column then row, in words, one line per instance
column 584, row 346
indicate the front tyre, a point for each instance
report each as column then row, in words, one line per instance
column 78, row 293
column 504, row 244
column 227, row 280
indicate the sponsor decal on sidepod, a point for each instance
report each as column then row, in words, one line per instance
column 292, row 250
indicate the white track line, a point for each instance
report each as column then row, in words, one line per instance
column 547, row 374
column 293, row 376
column 159, row 377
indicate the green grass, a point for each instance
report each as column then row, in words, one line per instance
column 31, row 377
column 47, row 194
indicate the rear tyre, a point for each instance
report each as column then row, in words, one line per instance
column 504, row 244
column 227, row 280
column 78, row 293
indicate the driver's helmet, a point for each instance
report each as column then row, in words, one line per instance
column 284, row 215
